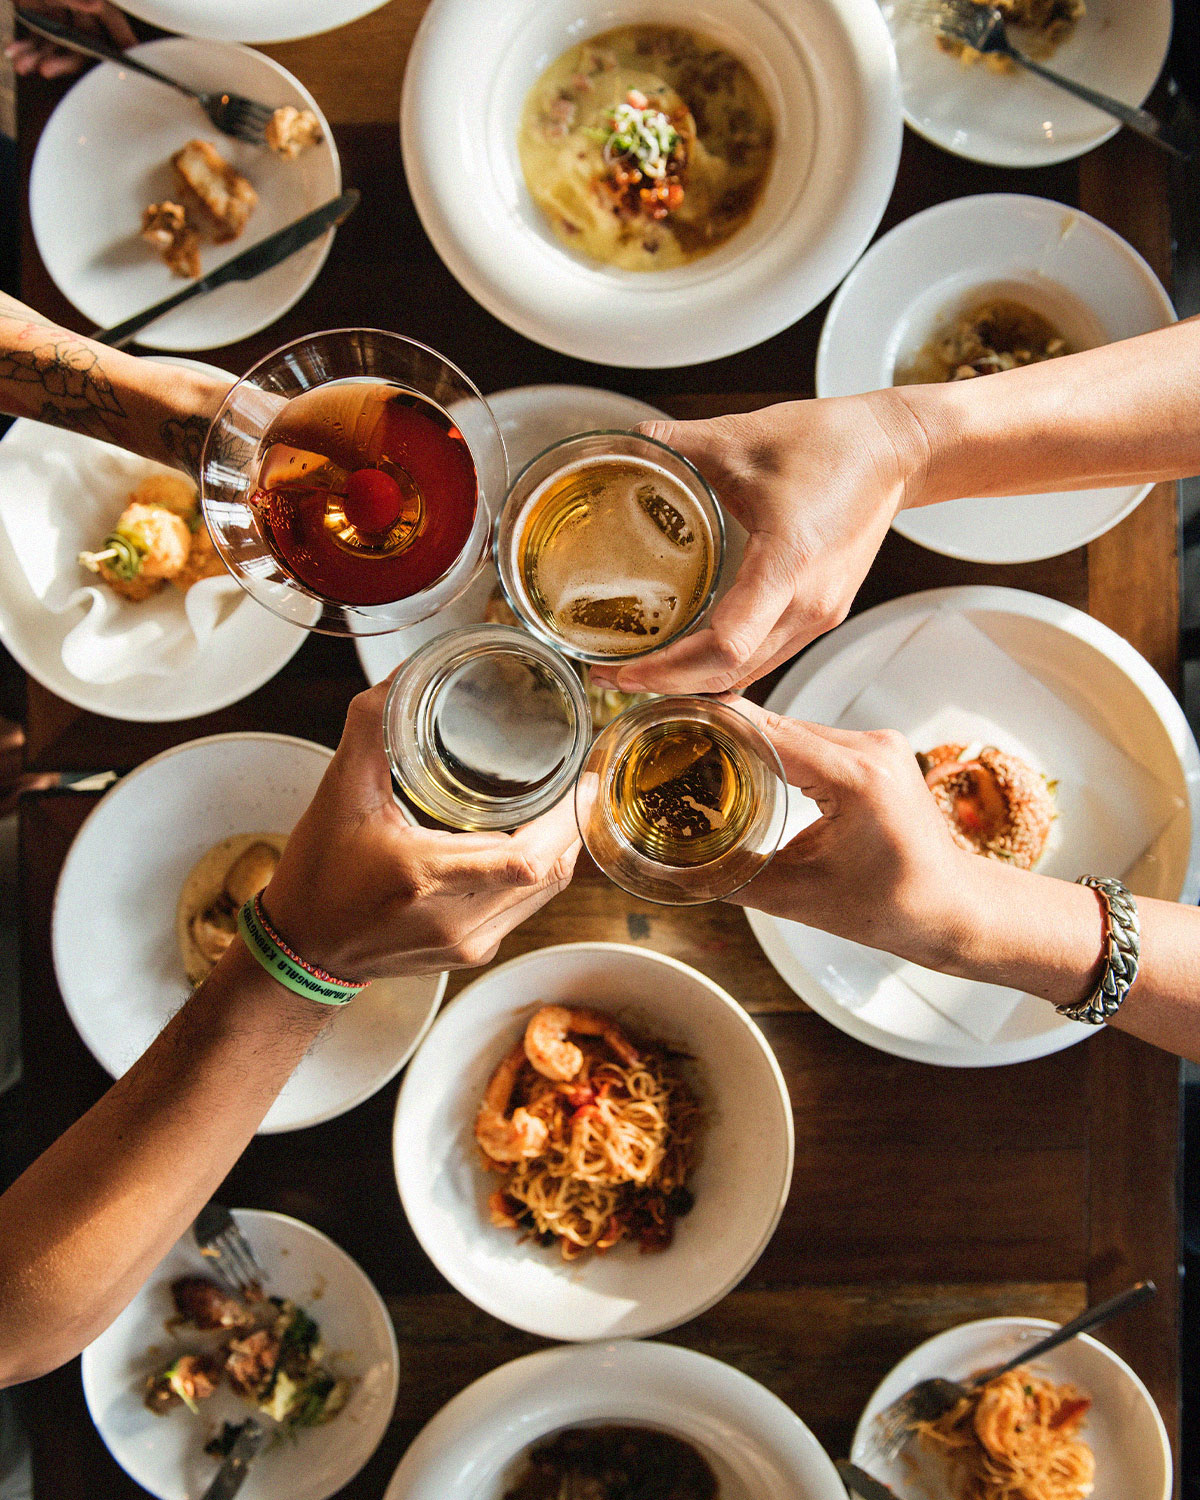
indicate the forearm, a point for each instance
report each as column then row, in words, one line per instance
column 1126, row 413
column 86, row 1224
column 1046, row 937
column 159, row 411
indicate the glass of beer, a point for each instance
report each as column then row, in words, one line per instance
column 681, row 800
column 486, row 727
column 610, row 546
column 349, row 481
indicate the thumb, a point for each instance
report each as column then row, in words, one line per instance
column 823, row 763
column 360, row 762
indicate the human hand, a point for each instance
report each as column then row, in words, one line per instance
column 364, row 894
column 816, row 484
column 33, row 55
column 879, row 865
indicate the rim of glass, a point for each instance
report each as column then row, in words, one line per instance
column 558, row 642
column 453, row 646
column 656, row 706
column 366, row 612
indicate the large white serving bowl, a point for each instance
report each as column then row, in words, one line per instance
column 1016, row 119
column 740, row 1184
column 828, row 70
column 1089, row 667
column 1123, row 1427
column 250, row 20
column 113, row 932
column 165, row 1455
column 38, row 465
column 1066, row 265
column 105, row 154
column 758, row 1448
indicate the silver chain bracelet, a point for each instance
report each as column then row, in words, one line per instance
column 1123, row 943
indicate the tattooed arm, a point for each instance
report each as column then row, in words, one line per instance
column 159, row 411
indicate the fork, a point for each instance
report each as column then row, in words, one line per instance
column 929, row 1399
column 232, row 114
column 222, row 1242
column 982, row 27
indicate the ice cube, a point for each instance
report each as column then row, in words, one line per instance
column 624, row 613
column 664, row 515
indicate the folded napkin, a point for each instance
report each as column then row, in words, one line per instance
column 950, row 683
column 63, row 501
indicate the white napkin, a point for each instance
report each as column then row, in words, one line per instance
column 950, row 683
column 65, row 503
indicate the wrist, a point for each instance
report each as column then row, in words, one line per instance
column 241, row 998
column 930, row 423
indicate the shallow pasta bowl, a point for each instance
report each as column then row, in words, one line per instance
column 828, row 72
column 740, row 1184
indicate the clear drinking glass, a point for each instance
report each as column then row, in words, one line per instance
column 356, row 415
column 609, row 546
column 486, row 727
column 681, row 800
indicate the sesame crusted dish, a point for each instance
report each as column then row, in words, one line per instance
column 993, row 802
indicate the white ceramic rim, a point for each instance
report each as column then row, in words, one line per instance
column 922, row 1358
column 229, row 28
column 968, row 597
column 652, row 1326
column 913, row 228
column 368, row 1091
column 43, row 232
column 711, row 319
column 352, row 1268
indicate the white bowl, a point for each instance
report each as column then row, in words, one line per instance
column 105, row 155
column 165, row 1454
column 250, row 20
column 758, row 1448
column 1057, row 260
column 829, row 73
column 1091, row 669
column 117, row 895
column 740, row 1185
column 1123, row 1427
column 1016, row 119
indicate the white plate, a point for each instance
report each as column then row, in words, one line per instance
column 165, row 1455
column 1123, row 1428
column 1086, row 665
column 1057, row 260
column 250, row 20
column 829, row 72
column 1017, row 120
column 105, row 155
column 246, row 651
column 758, row 1448
column 530, row 417
column 740, row 1185
column 117, row 894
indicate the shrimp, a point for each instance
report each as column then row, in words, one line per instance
column 547, row 1047
column 502, row 1137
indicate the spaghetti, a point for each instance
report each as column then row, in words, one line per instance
column 596, row 1141
column 1015, row 1438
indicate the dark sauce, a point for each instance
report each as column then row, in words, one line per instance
column 614, row 1463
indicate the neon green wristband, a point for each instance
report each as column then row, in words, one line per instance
column 285, row 967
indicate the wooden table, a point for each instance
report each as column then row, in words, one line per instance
column 922, row 1197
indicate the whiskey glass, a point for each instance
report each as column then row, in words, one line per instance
column 302, row 378
column 681, row 800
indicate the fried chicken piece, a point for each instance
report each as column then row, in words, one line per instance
column 994, row 804
column 250, row 872
column 147, row 546
column 204, row 1304
column 165, row 227
column 290, row 131
column 250, row 1361
column 203, row 561
column 191, row 1378
column 172, row 491
column 223, row 196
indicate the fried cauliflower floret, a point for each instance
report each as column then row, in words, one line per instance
column 290, row 131
column 993, row 803
column 165, row 227
column 203, row 561
column 223, row 197
column 147, row 546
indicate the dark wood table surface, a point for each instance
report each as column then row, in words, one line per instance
column 922, row 1197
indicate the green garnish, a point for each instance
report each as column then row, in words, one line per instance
column 123, row 551
column 643, row 133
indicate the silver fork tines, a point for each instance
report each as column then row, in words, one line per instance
column 221, row 1241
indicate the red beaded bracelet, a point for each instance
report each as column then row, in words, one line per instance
column 314, row 969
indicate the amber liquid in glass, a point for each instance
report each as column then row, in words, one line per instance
column 682, row 794
column 326, row 449
column 615, row 556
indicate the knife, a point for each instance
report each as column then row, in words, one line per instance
column 261, row 257
column 859, row 1482
column 236, row 1464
